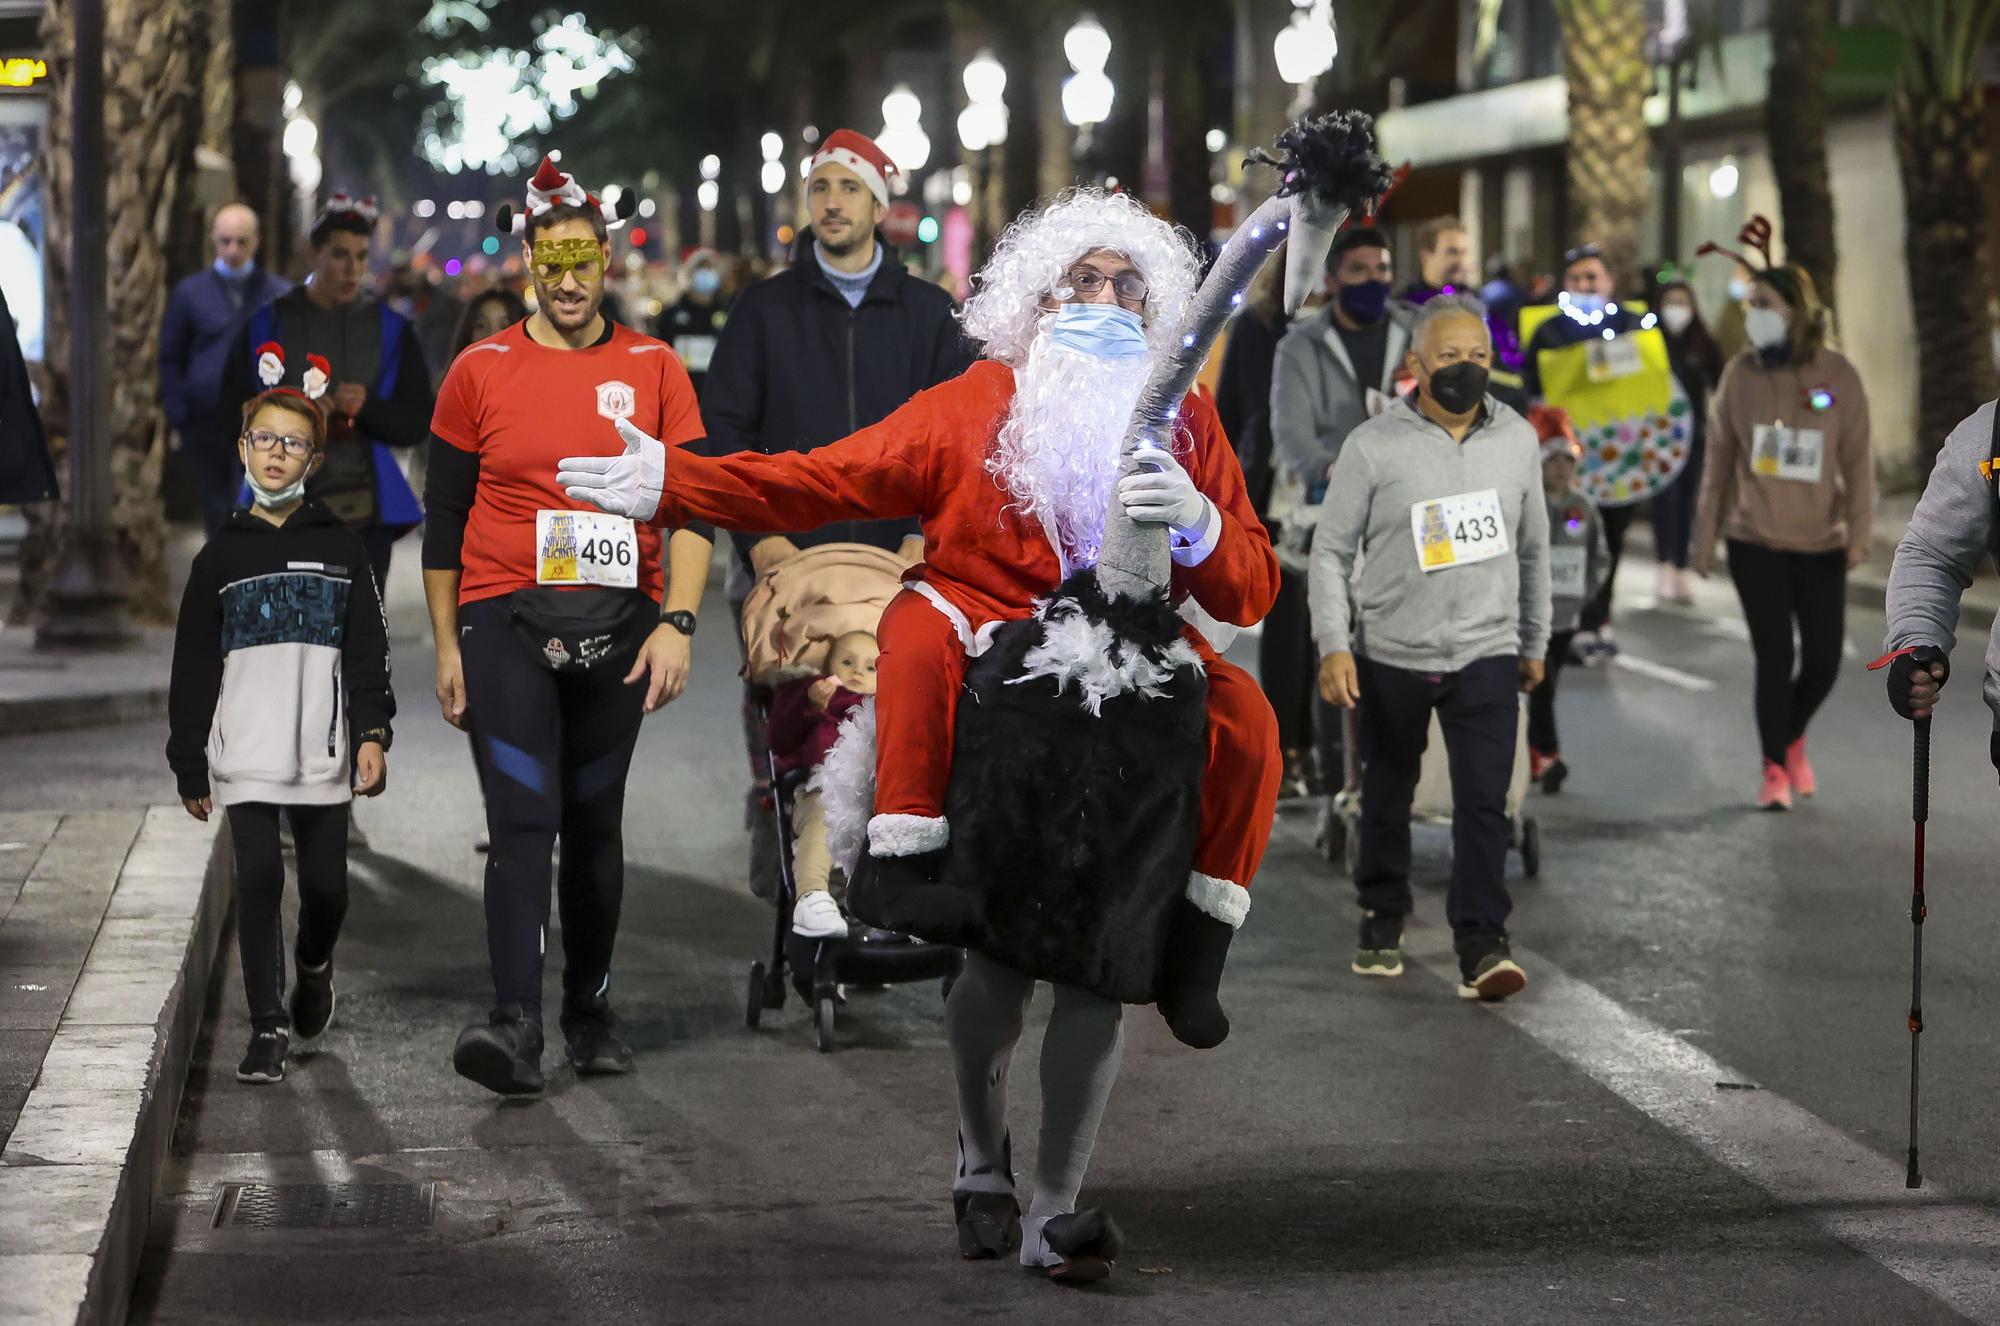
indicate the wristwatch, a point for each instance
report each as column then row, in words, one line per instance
column 682, row 621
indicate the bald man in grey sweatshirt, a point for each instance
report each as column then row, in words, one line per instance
column 1439, row 502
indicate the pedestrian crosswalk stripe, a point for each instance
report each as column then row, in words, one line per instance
column 1942, row 1246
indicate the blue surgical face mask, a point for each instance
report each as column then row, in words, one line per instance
column 233, row 273
column 705, row 281
column 1105, row 330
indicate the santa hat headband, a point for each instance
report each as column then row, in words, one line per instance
column 342, row 204
column 858, row 153
column 271, row 372
column 552, row 186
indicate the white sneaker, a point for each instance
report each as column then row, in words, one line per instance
column 817, row 916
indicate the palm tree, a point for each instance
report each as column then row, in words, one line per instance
column 1609, row 156
column 155, row 54
column 1795, row 118
column 1941, row 149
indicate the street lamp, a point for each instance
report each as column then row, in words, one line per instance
column 1087, row 94
column 983, row 123
column 772, row 177
column 902, row 135
column 1305, row 47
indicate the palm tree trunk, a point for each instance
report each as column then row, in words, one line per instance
column 1941, row 150
column 1609, row 157
column 155, row 53
column 1795, row 119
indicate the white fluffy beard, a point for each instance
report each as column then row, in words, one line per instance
column 1057, row 453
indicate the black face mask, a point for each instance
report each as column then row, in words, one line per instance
column 1458, row 388
column 1365, row 301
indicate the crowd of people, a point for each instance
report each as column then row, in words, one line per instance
column 1421, row 496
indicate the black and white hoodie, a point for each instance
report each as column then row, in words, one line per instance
column 281, row 663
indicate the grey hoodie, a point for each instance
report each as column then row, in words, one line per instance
column 1393, row 611
column 1950, row 533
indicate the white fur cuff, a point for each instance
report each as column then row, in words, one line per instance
column 907, row 835
column 1223, row 899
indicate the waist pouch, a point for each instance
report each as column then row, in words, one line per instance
column 583, row 630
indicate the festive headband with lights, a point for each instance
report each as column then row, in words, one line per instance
column 552, row 186
column 343, row 204
column 271, row 372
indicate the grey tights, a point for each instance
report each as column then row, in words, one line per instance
column 1080, row 1054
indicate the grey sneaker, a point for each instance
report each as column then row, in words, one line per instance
column 1380, row 950
column 1492, row 977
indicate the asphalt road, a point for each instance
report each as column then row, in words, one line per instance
column 1695, row 1114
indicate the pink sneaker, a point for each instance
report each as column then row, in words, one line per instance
column 1798, row 770
column 1775, row 793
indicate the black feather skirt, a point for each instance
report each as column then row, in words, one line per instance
column 1076, row 831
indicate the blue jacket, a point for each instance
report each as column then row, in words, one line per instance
column 195, row 337
column 796, row 368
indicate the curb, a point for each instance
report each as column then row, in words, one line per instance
column 61, row 713
column 1976, row 610
column 78, row 1176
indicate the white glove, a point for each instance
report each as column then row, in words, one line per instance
column 1163, row 494
column 625, row 485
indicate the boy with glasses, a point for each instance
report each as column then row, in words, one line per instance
column 281, row 667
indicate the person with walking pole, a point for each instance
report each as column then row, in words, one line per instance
column 1950, row 532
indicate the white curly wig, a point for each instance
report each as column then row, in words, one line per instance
column 1040, row 245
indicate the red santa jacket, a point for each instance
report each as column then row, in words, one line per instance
column 989, row 560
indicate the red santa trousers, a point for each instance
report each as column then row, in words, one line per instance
column 922, row 670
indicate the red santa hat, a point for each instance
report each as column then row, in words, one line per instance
column 552, row 186
column 858, row 152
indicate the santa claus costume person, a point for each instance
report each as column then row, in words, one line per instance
column 1012, row 468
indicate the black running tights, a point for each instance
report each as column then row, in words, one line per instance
column 1779, row 590
column 556, row 749
column 320, row 834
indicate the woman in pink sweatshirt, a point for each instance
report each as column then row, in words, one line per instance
column 1790, row 485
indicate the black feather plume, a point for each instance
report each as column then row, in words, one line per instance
column 1332, row 156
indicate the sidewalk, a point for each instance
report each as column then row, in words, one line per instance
column 109, row 922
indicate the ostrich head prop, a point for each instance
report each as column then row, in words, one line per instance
column 1328, row 168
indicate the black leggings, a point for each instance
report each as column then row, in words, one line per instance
column 1617, row 520
column 1542, row 737
column 1286, row 665
column 555, row 748
column 1777, row 589
column 320, row 835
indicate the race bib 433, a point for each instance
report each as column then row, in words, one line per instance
column 1457, row 531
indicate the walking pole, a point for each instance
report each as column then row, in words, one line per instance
column 1920, row 811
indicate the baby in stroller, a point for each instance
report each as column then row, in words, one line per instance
column 806, row 714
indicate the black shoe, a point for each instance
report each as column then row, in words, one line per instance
column 1379, row 951
column 592, row 1044
column 502, row 1054
column 1554, row 775
column 989, row 1224
column 1488, row 972
column 312, row 1001
column 264, row 1061
column 1088, row 1242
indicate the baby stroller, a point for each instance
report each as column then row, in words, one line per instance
column 1340, row 826
column 789, row 621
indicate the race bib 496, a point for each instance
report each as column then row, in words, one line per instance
column 586, row 548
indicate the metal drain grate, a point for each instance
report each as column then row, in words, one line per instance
column 323, row 1205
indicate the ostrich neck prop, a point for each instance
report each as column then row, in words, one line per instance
column 1330, row 168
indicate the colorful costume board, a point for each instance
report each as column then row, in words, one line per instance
column 1630, row 413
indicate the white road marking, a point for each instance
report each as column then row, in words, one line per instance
column 1645, row 667
column 1946, row 1249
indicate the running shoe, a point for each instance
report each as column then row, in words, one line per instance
column 1492, row 976
column 1583, row 648
column 502, row 1054
column 989, row 1224
column 312, row 1000
column 1607, row 643
column 264, row 1061
column 1800, row 770
column 1380, row 950
column 1296, row 781
column 1553, row 773
column 817, row 916
column 1775, row 792
column 593, row 1047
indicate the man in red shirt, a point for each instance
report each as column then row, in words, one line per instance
column 558, row 627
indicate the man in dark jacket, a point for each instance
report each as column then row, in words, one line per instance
column 205, row 314
column 825, row 347
column 380, row 395
column 27, row 474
